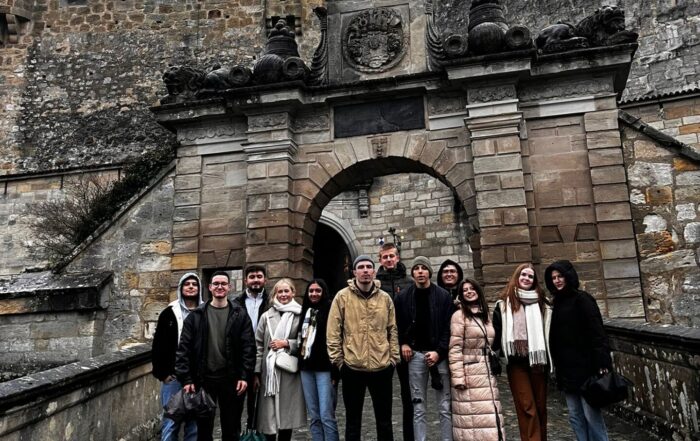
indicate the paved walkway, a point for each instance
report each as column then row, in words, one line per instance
column 558, row 424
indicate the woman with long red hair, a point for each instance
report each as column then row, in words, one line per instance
column 521, row 321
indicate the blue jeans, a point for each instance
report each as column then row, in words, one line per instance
column 587, row 421
column 319, row 395
column 169, row 430
column 418, row 382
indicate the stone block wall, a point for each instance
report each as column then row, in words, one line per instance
column 668, row 54
column 665, row 198
column 578, row 203
column 17, row 196
column 77, row 84
column 137, row 248
column 421, row 208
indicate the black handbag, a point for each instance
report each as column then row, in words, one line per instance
column 494, row 362
column 604, row 390
column 199, row 404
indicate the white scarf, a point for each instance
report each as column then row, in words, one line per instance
column 308, row 332
column 281, row 332
column 537, row 347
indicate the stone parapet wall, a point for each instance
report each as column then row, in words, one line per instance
column 665, row 200
column 662, row 362
column 48, row 320
column 115, row 393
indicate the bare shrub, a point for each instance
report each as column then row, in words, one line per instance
column 59, row 225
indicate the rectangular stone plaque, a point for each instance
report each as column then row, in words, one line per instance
column 379, row 117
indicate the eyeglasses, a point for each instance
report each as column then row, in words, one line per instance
column 217, row 284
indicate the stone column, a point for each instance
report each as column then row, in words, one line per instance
column 613, row 215
column 275, row 230
column 493, row 123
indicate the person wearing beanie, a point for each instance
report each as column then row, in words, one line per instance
column 423, row 312
column 579, row 347
column 363, row 344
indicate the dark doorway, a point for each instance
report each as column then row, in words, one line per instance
column 332, row 260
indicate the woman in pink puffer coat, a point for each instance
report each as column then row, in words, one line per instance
column 476, row 408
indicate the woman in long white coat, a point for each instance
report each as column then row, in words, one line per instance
column 281, row 405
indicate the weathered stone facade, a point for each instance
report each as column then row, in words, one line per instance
column 76, row 77
column 664, row 194
column 533, row 163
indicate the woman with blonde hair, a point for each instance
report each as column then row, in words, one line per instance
column 521, row 321
column 281, row 405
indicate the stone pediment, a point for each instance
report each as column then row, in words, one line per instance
column 361, row 42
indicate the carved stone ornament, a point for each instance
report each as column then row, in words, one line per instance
column 605, row 27
column 374, row 40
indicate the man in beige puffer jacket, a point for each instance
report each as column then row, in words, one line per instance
column 363, row 343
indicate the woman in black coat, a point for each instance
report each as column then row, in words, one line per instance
column 319, row 377
column 579, row 347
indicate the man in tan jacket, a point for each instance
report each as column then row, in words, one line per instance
column 363, row 343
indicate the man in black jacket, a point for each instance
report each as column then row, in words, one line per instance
column 253, row 300
column 392, row 273
column 392, row 276
column 423, row 314
column 217, row 353
column 165, row 341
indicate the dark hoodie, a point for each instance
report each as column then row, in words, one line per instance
column 460, row 275
column 577, row 338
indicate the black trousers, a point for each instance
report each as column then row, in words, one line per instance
column 406, row 402
column 282, row 435
column 355, row 383
column 230, row 411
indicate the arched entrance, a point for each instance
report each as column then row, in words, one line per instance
column 332, row 259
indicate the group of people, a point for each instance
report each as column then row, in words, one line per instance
column 288, row 358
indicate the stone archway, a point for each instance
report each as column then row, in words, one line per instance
column 344, row 230
column 327, row 170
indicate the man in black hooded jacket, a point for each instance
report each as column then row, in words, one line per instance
column 449, row 276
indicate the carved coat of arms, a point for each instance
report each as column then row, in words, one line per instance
column 374, row 40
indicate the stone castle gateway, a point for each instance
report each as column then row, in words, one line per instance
column 524, row 134
column 528, row 143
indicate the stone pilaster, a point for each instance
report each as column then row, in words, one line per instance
column 500, row 188
column 275, row 229
column 613, row 215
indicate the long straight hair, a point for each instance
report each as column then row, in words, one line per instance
column 510, row 292
column 480, row 300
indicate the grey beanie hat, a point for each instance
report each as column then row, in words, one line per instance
column 422, row 260
column 361, row 258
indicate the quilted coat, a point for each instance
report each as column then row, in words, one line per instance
column 473, row 412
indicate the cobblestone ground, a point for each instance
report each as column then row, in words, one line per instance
column 558, row 424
